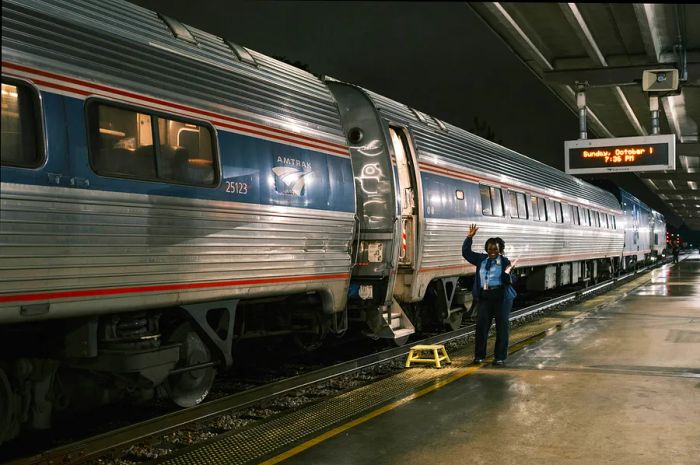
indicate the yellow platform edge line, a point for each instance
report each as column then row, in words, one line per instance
column 358, row 421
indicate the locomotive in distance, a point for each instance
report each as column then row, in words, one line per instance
column 167, row 194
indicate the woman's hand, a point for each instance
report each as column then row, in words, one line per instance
column 511, row 266
column 472, row 230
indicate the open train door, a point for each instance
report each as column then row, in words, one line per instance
column 407, row 195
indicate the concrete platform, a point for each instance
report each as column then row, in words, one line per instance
column 622, row 386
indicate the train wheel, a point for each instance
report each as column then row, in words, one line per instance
column 454, row 321
column 189, row 388
column 312, row 338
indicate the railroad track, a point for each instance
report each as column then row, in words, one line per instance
column 113, row 442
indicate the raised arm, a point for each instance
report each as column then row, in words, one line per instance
column 467, row 252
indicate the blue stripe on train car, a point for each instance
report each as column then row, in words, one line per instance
column 440, row 197
column 254, row 171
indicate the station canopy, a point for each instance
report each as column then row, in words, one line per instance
column 606, row 47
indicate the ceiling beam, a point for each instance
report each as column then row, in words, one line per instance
column 673, row 176
column 688, row 149
column 575, row 19
column 650, row 36
column 610, row 76
column 514, row 29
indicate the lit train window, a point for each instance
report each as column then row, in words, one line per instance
column 491, row 201
column 140, row 144
column 21, row 125
column 185, row 153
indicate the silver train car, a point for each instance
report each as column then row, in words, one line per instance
column 164, row 193
column 657, row 237
column 645, row 228
column 167, row 193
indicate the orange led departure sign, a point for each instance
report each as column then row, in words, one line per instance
column 647, row 153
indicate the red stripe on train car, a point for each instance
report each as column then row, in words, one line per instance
column 332, row 147
column 166, row 287
column 434, row 169
column 522, row 262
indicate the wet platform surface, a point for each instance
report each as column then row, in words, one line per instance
column 621, row 386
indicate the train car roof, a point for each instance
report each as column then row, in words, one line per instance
column 435, row 139
column 120, row 44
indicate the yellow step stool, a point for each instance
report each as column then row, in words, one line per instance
column 438, row 355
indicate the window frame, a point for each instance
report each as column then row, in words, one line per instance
column 576, row 219
column 38, row 120
column 490, row 189
column 518, row 214
column 94, row 102
column 541, row 212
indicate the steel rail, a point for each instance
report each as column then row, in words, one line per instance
column 121, row 438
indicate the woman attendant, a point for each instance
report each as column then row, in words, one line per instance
column 494, row 291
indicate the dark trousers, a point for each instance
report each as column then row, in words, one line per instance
column 492, row 305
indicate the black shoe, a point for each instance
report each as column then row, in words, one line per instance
column 477, row 361
column 499, row 363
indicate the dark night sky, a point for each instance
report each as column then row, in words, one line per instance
column 438, row 57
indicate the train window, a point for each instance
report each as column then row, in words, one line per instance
column 550, row 210
column 522, row 206
column 491, row 201
column 614, row 223
column 21, row 125
column 538, row 209
column 459, row 194
column 485, row 200
column 123, row 145
column 583, row 212
column 575, row 215
column 185, row 153
column 518, row 205
column 596, row 218
column 559, row 217
column 513, row 202
column 566, row 210
column 497, row 201
column 606, row 223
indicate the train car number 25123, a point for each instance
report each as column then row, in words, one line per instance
column 233, row 187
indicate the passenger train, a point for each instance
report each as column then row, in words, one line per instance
column 167, row 193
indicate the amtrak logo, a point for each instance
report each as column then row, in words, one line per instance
column 290, row 177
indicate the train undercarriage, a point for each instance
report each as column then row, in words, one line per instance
column 175, row 353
